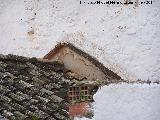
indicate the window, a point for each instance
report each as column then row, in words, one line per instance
column 79, row 93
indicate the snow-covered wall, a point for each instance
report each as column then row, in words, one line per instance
column 124, row 38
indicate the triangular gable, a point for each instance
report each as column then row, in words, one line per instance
column 58, row 53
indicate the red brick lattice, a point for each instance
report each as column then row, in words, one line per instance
column 79, row 93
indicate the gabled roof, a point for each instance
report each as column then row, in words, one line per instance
column 108, row 72
column 31, row 89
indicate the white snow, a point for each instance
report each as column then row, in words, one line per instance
column 127, row 102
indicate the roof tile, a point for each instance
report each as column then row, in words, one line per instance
column 28, row 88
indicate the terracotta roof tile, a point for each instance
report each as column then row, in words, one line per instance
column 28, row 89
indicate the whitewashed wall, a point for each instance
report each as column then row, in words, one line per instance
column 127, row 102
column 125, row 39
